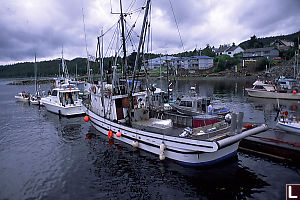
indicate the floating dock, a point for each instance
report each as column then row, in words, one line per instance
column 275, row 144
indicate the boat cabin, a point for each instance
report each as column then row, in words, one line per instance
column 191, row 105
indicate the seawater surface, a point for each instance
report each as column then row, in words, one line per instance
column 45, row 157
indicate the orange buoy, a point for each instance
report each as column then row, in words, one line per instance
column 86, row 118
column 110, row 134
column 294, row 91
column 118, row 134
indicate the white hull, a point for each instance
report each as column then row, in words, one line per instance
column 21, row 99
column 68, row 110
column 273, row 95
column 185, row 151
column 290, row 127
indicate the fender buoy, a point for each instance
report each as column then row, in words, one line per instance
column 162, row 148
column 118, row 134
column 135, row 144
column 86, row 118
column 110, row 134
column 294, row 91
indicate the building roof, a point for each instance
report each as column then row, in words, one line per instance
column 260, row 49
column 222, row 48
column 232, row 48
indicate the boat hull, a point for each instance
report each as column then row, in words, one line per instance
column 290, row 127
column 21, row 99
column 177, row 149
column 68, row 110
column 272, row 95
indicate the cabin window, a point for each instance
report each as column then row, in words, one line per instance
column 189, row 104
column 54, row 93
column 182, row 103
column 259, row 87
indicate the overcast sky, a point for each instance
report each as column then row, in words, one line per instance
column 44, row 26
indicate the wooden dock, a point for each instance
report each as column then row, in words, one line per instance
column 275, row 144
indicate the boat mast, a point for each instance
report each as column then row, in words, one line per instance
column 123, row 41
column 137, row 58
column 35, row 73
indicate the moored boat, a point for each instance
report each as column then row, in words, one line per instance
column 120, row 108
column 264, row 89
column 22, row 97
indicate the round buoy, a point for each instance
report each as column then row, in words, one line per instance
column 118, row 134
column 110, row 134
column 135, row 144
column 86, row 118
column 294, row 91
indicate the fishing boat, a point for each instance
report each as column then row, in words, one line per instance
column 35, row 99
column 64, row 99
column 120, row 108
column 22, row 97
column 278, row 90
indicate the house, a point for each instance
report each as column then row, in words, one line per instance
column 221, row 50
column 192, row 63
column 228, row 50
column 282, row 44
column 156, row 62
column 255, row 54
column 233, row 50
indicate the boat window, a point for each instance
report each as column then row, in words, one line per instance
column 182, row 103
column 153, row 98
column 189, row 104
column 54, row 93
column 259, row 87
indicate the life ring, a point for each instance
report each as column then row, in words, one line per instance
column 94, row 89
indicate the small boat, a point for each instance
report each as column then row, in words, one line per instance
column 290, row 124
column 64, row 101
column 264, row 89
column 221, row 111
column 22, row 97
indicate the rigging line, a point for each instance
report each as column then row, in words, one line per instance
column 111, row 41
column 109, row 29
column 130, row 5
column 177, row 25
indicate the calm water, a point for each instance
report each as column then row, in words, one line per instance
column 44, row 157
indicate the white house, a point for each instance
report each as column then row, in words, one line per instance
column 233, row 50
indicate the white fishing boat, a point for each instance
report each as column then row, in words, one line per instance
column 121, row 109
column 22, row 97
column 264, row 89
column 64, row 99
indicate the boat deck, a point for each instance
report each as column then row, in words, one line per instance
column 210, row 134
